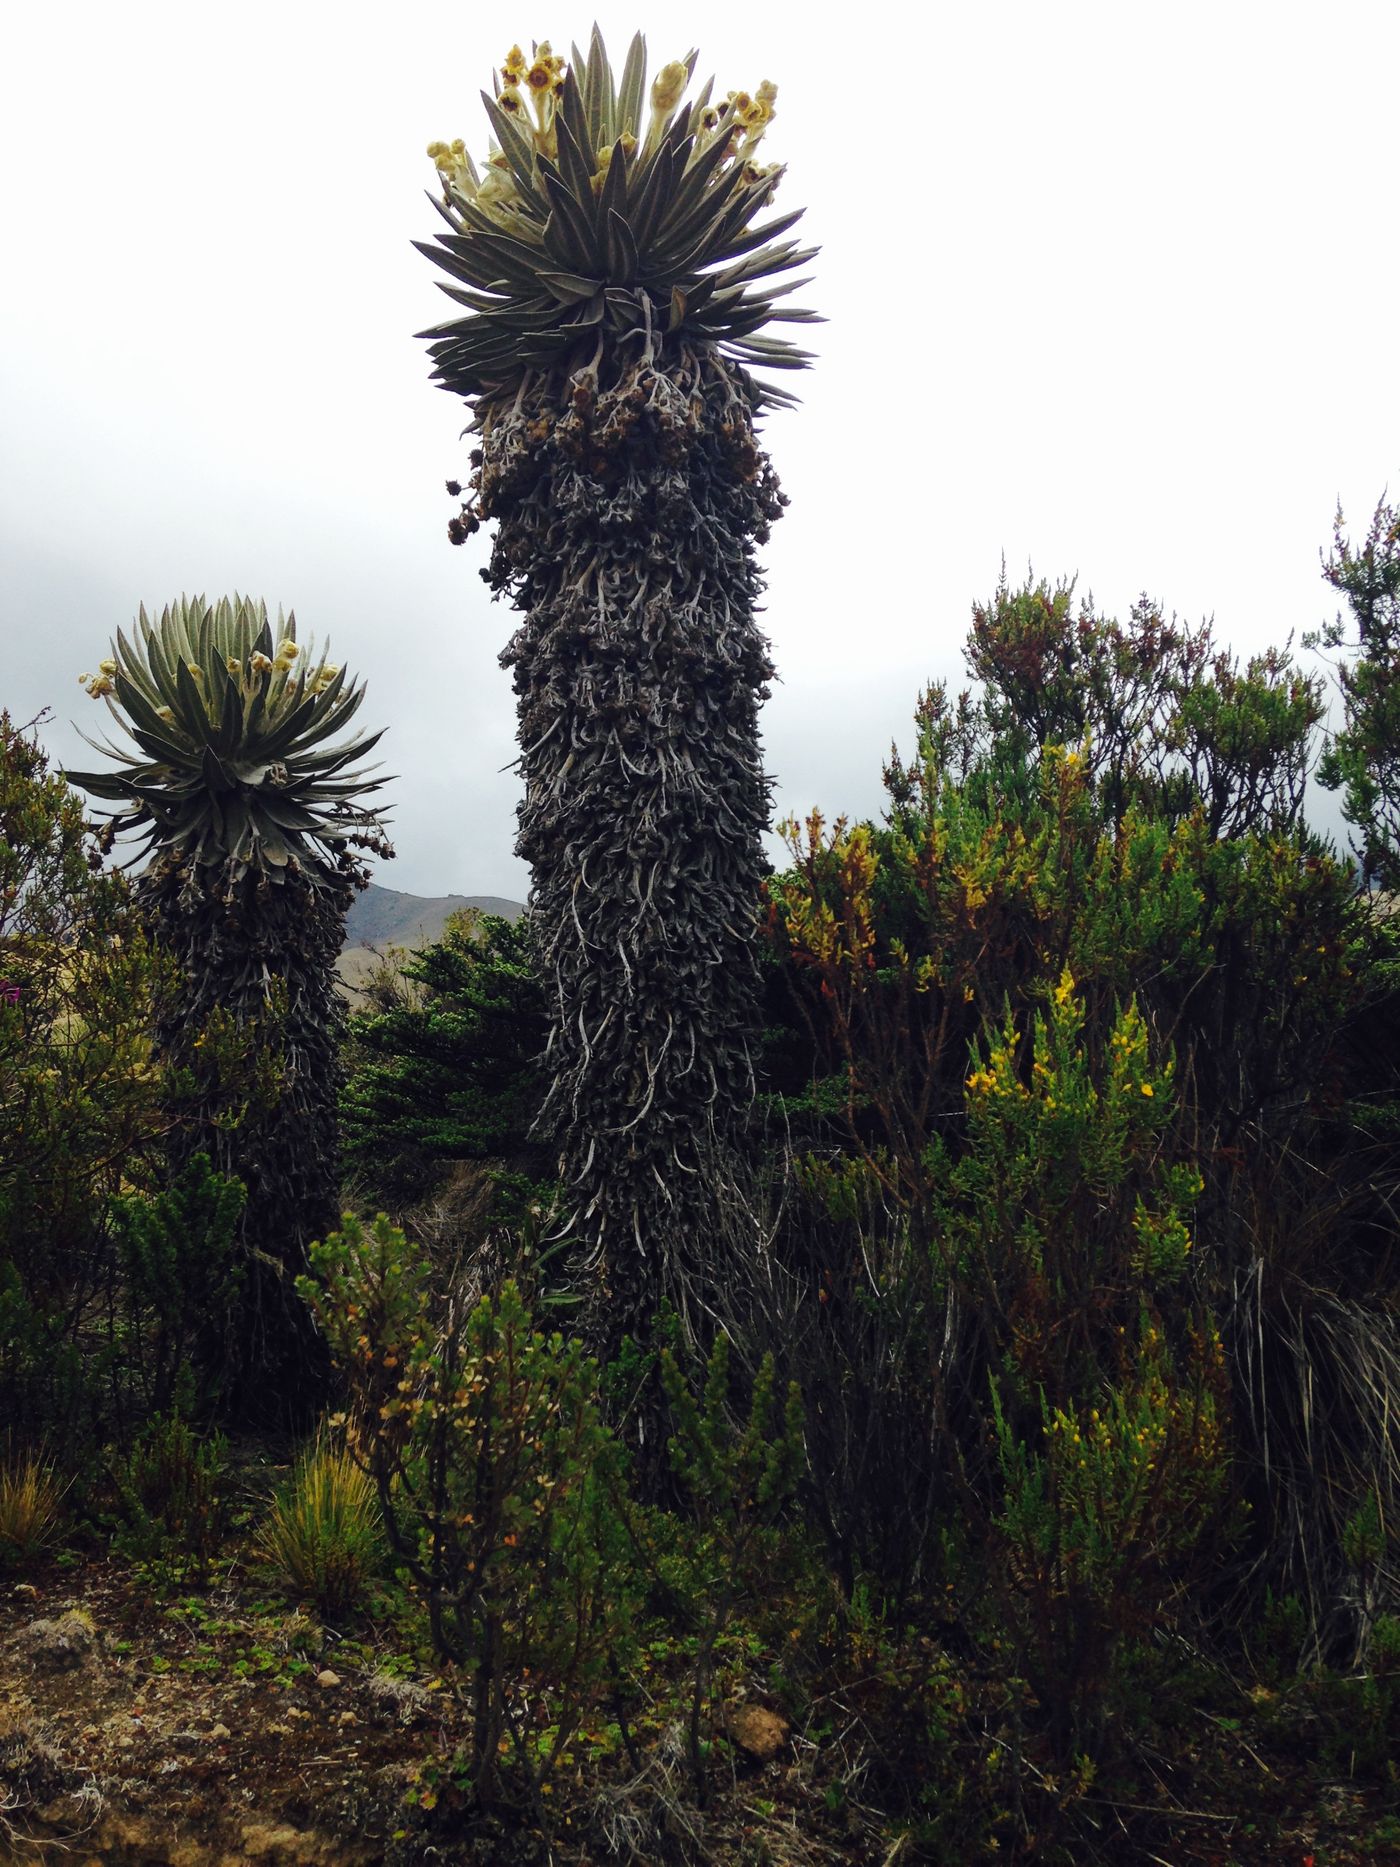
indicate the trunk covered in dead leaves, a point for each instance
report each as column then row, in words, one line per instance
column 628, row 503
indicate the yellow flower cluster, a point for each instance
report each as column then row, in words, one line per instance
column 532, row 85
column 529, row 93
column 101, row 684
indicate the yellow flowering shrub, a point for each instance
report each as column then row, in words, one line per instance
column 493, row 1466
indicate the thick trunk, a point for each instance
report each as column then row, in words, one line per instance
column 628, row 499
column 251, row 1032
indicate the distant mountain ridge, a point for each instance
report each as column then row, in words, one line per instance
column 381, row 918
column 385, row 917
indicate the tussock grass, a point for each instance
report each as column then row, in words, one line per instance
column 31, row 1498
column 324, row 1533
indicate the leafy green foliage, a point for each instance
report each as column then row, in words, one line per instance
column 77, row 1085
column 448, row 1069
column 1068, row 1235
column 1363, row 759
column 738, row 1482
column 173, row 1495
column 1164, row 718
column 1215, row 978
column 179, row 1275
column 493, row 1468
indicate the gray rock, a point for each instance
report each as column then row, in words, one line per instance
column 54, row 1646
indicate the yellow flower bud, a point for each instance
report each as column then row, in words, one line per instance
column 668, row 87
column 107, row 667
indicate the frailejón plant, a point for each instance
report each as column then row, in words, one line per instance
column 251, row 812
column 615, row 278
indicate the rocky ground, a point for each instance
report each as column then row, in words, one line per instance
column 144, row 1723
column 212, row 1729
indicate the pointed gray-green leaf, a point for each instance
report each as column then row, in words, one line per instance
column 574, row 167
column 461, row 295
column 697, row 109
column 629, row 93
column 601, row 80
column 613, row 199
column 216, row 777
column 568, row 235
column 143, row 714
column 621, row 249
column 517, row 152
column 473, row 268
column 653, row 194
column 569, row 287
column 739, row 243
column 99, row 784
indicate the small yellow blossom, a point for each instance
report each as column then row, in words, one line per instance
column 259, row 662
column 107, row 667
column 668, row 87
column 234, row 665
column 1147, row 1090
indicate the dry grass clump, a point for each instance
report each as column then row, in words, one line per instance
column 324, row 1532
column 31, row 1499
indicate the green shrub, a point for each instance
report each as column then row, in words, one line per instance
column 79, row 1097
column 495, row 1474
column 739, row 1481
column 177, row 1253
column 172, row 1492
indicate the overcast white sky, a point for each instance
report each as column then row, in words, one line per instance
column 1111, row 291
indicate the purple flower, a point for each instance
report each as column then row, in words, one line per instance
column 9, row 994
